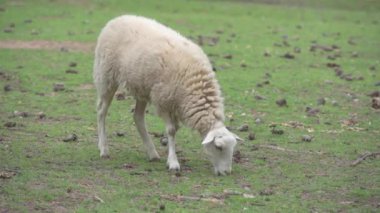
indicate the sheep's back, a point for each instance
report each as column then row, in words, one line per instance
column 144, row 52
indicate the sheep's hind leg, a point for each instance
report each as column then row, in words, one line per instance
column 105, row 95
column 139, row 118
column 171, row 129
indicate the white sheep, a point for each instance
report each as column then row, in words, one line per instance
column 158, row 65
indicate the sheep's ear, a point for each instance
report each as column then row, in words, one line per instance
column 208, row 139
column 237, row 137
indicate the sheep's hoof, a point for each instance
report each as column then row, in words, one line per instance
column 173, row 167
column 154, row 159
column 105, row 156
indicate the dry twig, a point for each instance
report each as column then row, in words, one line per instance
column 363, row 157
column 193, row 198
column 287, row 150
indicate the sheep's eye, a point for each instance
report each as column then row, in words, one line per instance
column 219, row 148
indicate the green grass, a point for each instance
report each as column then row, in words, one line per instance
column 50, row 175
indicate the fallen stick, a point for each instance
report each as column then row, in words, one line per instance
column 97, row 198
column 287, row 150
column 363, row 157
column 192, row 198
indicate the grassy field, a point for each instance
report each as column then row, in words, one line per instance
column 321, row 57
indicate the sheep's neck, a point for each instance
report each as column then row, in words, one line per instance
column 202, row 106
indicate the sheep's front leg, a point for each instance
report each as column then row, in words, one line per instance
column 172, row 162
column 139, row 118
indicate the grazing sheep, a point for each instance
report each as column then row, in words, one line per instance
column 158, row 65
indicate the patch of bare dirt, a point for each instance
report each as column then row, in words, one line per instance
column 74, row 46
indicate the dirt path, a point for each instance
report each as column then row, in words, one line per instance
column 48, row 45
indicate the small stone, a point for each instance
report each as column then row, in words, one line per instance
column 164, row 141
column 58, row 87
column 251, row 136
column 71, row 137
column 243, row 128
column 281, row 102
column 377, row 84
column 258, row 120
column 307, row 138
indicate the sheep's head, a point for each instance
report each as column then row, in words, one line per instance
column 219, row 145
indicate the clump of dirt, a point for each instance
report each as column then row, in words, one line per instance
column 73, row 64
column 8, row 88
column 10, row 124
column 282, row 102
column 243, row 128
column 376, row 103
column 120, row 96
column 58, row 87
column 275, row 130
column 289, row 56
column 321, row 101
column 251, row 136
column 71, row 71
column 312, row 111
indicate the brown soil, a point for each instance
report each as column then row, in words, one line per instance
column 48, row 45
